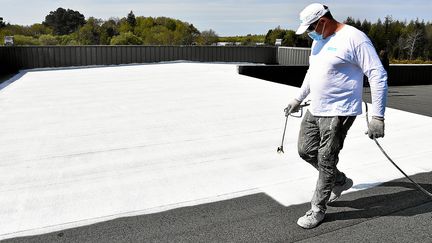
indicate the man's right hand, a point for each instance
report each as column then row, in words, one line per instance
column 293, row 106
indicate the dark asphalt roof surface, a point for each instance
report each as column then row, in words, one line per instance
column 392, row 212
column 415, row 99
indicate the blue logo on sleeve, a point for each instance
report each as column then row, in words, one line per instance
column 332, row 49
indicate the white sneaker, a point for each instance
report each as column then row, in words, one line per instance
column 311, row 219
column 338, row 189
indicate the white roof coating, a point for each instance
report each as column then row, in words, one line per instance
column 80, row 146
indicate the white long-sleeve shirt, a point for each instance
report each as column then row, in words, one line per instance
column 334, row 80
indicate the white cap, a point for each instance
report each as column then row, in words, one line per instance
column 310, row 15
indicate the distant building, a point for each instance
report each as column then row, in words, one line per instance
column 278, row 42
column 228, row 43
column 224, row 43
column 8, row 40
column 237, row 44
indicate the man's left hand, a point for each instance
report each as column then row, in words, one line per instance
column 376, row 128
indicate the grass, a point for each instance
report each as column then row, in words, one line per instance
column 417, row 61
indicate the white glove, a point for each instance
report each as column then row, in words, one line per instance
column 376, row 127
column 293, row 106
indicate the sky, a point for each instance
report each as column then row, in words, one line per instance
column 225, row 17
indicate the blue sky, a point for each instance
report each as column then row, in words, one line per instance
column 227, row 18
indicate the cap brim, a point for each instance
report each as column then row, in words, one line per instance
column 302, row 29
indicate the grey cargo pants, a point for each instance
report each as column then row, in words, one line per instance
column 319, row 143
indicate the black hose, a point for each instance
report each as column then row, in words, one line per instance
column 388, row 157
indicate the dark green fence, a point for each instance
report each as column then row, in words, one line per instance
column 27, row 57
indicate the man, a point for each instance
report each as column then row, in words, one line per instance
column 340, row 56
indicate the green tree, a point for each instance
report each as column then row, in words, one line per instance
column 124, row 26
column 350, row 21
column 290, row 38
column 192, row 34
column 64, row 21
column 37, row 30
column 21, row 40
column 274, row 34
column 248, row 40
column 68, row 40
column 208, row 37
column 185, row 34
column 34, row 30
column 108, row 30
column 131, row 19
column 12, row 30
column 2, row 24
column 126, row 39
column 165, row 31
column 366, row 26
column 161, row 35
column 89, row 34
column 378, row 36
column 142, row 29
column 145, row 23
column 394, row 37
column 428, row 38
column 48, row 40
column 169, row 23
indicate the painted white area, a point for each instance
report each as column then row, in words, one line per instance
column 80, row 146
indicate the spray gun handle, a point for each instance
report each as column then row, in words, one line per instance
column 307, row 103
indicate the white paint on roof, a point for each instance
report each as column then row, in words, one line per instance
column 80, row 146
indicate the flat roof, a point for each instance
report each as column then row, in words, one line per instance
column 81, row 146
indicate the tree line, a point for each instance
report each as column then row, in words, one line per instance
column 69, row 27
column 402, row 40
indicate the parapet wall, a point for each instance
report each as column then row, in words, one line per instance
column 27, row 57
column 286, row 65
